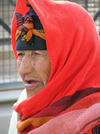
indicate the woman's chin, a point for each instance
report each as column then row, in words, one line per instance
column 33, row 90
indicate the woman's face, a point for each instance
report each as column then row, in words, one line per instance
column 34, row 68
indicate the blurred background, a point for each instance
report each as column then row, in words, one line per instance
column 10, row 81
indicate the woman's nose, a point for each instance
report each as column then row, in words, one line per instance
column 25, row 67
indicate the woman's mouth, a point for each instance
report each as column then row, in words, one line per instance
column 31, row 83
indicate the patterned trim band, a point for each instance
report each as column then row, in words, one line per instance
column 26, row 29
column 27, row 3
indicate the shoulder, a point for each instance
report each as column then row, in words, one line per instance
column 14, row 116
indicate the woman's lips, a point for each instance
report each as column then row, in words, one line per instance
column 31, row 83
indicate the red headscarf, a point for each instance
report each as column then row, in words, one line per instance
column 74, row 51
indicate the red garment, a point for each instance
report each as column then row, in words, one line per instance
column 73, row 47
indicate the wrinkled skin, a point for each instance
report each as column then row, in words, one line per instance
column 34, row 68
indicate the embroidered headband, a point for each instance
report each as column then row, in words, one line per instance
column 30, row 33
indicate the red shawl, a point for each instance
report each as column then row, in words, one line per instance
column 74, row 85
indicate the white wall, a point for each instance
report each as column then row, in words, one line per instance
column 9, row 93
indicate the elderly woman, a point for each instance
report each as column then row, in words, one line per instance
column 57, row 49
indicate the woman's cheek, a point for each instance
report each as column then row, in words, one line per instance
column 43, row 69
column 18, row 63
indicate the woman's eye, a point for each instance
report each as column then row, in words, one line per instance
column 35, row 54
column 20, row 55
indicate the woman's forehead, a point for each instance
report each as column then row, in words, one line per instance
column 32, row 51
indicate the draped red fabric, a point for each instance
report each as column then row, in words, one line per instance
column 73, row 47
